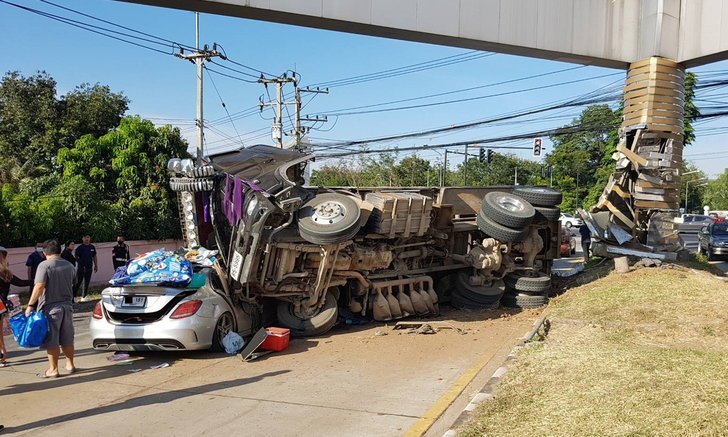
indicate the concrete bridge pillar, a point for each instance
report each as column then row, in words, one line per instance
column 643, row 193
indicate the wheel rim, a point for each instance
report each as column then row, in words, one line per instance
column 224, row 326
column 510, row 204
column 329, row 212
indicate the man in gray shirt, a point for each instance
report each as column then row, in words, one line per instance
column 53, row 294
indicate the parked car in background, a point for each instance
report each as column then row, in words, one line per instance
column 569, row 220
column 567, row 246
column 713, row 239
column 693, row 223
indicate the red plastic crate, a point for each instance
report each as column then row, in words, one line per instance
column 277, row 339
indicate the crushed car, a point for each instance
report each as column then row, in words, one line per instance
column 297, row 255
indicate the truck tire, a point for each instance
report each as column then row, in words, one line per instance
column 444, row 288
column 317, row 323
column 462, row 283
column 329, row 218
column 461, row 302
column 537, row 284
column 545, row 214
column 499, row 232
column 524, row 301
column 539, row 196
column 481, row 295
column 191, row 185
column 507, row 209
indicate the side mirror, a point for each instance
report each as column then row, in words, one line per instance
column 704, row 230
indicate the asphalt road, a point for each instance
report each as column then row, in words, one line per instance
column 365, row 380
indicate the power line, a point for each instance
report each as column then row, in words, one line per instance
column 224, row 106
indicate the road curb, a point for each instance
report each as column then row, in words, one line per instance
column 486, row 393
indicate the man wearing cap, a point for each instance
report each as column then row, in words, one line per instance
column 53, row 294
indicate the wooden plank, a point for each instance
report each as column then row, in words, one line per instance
column 633, row 157
column 652, row 98
column 639, row 106
column 654, row 91
column 647, row 184
column 652, row 75
column 654, row 83
column 617, row 213
column 647, row 204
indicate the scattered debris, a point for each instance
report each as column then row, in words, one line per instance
column 124, row 363
column 134, row 370
column 571, row 272
column 647, row 262
column 425, row 327
column 160, row 366
column 232, row 342
column 380, row 334
column 253, row 344
column 118, row 356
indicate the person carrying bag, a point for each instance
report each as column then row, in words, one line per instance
column 53, row 296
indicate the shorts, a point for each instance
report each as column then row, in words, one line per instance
column 60, row 327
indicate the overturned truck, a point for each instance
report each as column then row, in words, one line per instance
column 300, row 254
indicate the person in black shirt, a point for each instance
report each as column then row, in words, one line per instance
column 585, row 241
column 119, row 253
column 34, row 259
column 67, row 253
column 86, row 257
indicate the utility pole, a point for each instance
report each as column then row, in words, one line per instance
column 198, row 57
column 298, row 130
column 277, row 129
column 444, row 171
column 465, row 167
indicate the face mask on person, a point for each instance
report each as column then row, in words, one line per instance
column 39, row 249
column 120, row 241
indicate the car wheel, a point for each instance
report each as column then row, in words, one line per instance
column 224, row 325
column 317, row 322
column 539, row 196
column 520, row 282
column 507, row 209
column 545, row 214
column 500, row 232
column 329, row 218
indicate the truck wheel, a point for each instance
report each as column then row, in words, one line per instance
column 525, row 301
column 539, row 196
column 329, row 218
column 462, row 283
column 527, row 283
column 462, row 302
column 507, row 209
column 545, row 214
column 223, row 326
column 500, row 232
column 318, row 322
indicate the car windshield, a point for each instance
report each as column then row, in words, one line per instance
column 567, row 215
column 721, row 229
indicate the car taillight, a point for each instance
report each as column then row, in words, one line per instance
column 98, row 314
column 186, row 309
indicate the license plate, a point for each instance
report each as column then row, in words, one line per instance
column 133, row 301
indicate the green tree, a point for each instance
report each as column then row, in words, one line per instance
column 716, row 193
column 90, row 110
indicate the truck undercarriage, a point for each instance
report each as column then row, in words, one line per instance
column 384, row 253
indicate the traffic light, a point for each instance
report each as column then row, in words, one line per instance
column 490, row 155
column 537, row 147
column 481, row 155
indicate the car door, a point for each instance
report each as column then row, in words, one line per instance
column 704, row 238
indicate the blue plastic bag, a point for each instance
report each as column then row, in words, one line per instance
column 35, row 332
column 17, row 325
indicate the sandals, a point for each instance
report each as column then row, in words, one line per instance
column 72, row 371
column 44, row 375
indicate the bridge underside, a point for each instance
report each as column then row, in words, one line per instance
column 610, row 33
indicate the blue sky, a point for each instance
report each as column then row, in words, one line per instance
column 162, row 87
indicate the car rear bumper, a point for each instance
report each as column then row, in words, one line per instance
column 165, row 335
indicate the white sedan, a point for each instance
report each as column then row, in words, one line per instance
column 569, row 220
